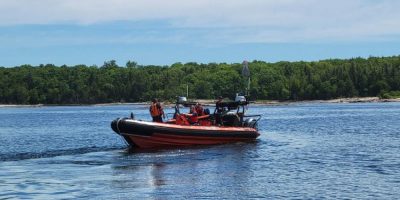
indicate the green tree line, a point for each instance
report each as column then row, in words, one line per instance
column 81, row 84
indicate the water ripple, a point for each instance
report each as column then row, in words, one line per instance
column 305, row 151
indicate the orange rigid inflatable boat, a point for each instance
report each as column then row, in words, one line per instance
column 152, row 134
column 234, row 126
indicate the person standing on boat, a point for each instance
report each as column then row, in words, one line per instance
column 156, row 111
column 219, row 108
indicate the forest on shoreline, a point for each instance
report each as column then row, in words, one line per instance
column 109, row 83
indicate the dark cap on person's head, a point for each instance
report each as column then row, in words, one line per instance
column 154, row 100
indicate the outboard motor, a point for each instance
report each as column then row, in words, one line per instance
column 240, row 98
column 182, row 99
column 230, row 119
column 251, row 123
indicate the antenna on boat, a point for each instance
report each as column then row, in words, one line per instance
column 187, row 90
column 246, row 73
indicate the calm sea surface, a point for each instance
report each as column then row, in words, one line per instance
column 333, row 151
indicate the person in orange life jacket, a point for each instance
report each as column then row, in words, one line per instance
column 218, row 110
column 199, row 109
column 156, row 111
column 193, row 115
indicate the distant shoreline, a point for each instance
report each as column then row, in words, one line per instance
column 338, row 100
column 211, row 102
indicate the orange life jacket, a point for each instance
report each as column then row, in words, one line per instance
column 199, row 110
column 154, row 110
column 181, row 119
column 193, row 118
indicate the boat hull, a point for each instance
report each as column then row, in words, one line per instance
column 154, row 135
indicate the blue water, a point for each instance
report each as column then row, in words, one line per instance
column 305, row 151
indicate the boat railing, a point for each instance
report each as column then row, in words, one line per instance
column 170, row 115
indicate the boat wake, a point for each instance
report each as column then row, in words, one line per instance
column 53, row 153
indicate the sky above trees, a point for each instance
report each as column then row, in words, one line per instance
column 164, row 32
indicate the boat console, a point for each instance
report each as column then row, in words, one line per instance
column 233, row 114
